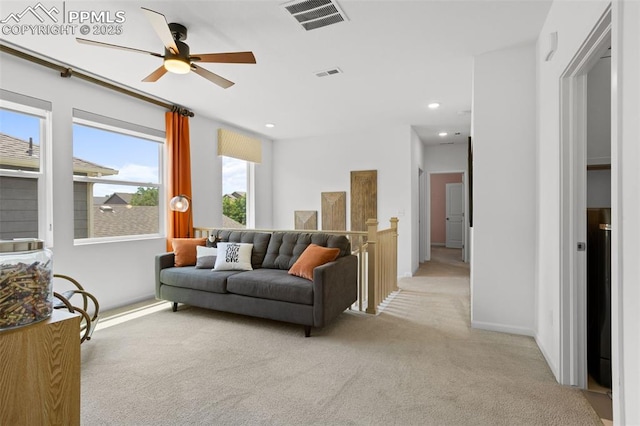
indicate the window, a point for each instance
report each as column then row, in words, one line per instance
column 239, row 154
column 234, row 192
column 24, row 210
column 117, row 179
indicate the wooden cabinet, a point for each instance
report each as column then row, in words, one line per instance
column 40, row 372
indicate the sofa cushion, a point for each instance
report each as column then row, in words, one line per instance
column 185, row 250
column 206, row 257
column 312, row 257
column 197, row 279
column 272, row 284
column 234, row 257
column 286, row 247
column 260, row 241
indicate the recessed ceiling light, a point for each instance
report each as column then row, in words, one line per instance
column 443, row 134
column 270, row 125
column 434, row 105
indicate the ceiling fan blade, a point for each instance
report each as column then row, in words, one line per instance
column 230, row 58
column 115, row 46
column 214, row 78
column 160, row 25
column 155, row 76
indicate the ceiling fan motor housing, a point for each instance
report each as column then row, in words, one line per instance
column 183, row 52
column 178, row 31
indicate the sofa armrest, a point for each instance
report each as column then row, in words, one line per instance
column 163, row 261
column 335, row 288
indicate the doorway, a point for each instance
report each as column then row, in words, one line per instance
column 446, row 207
column 584, row 116
column 598, row 187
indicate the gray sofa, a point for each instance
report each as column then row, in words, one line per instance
column 268, row 291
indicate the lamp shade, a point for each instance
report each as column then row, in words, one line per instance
column 179, row 203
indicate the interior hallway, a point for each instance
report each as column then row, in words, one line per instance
column 445, row 262
column 446, row 267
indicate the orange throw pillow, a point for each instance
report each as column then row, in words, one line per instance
column 313, row 256
column 184, row 250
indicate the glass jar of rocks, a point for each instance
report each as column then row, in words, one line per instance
column 26, row 277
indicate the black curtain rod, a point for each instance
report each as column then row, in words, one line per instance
column 67, row 72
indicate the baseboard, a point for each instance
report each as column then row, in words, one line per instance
column 552, row 366
column 502, row 328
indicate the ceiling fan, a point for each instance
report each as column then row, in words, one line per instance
column 177, row 58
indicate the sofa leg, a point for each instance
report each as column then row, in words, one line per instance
column 307, row 330
column 174, row 307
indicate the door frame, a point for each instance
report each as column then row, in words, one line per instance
column 422, row 215
column 427, row 233
column 573, row 161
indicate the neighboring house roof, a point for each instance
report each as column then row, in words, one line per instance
column 119, row 198
column 20, row 154
column 99, row 200
column 117, row 220
column 235, row 195
column 227, row 222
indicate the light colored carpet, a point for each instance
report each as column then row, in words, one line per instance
column 417, row 363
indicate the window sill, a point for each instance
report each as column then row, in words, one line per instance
column 119, row 239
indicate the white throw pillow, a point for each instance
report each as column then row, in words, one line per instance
column 205, row 257
column 234, row 257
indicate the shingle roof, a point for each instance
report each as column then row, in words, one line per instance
column 227, row 222
column 119, row 198
column 99, row 200
column 120, row 220
column 15, row 153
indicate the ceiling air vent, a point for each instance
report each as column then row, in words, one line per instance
column 331, row 71
column 312, row 14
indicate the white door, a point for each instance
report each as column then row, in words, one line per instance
column 455, row 215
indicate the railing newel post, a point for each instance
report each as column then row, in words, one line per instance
column 372, row 276
column 394, row 252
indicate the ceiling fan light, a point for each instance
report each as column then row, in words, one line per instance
column 177, row 66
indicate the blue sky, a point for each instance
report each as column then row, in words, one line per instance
column 135, row 159
column 20, row 125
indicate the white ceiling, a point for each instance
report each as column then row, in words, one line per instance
column 396, row 57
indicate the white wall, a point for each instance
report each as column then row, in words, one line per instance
column 573, row 21
column 504, row 190
column 302, row 169
column 119, row 273
column 417, row 164
column 263, row 185
column 445, row 158
column 626, row 202
column 598, row 188
column 599, row 113
column 440, row 159
column 206, row 171
column 599, row 133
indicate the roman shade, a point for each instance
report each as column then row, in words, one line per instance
column 236, row 145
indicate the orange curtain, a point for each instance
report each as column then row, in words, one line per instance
column 178, row 174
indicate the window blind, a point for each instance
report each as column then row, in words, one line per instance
column 236, row 145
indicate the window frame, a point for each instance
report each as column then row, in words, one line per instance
column 124, row 128
column 43, row 176
column 250, row 209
